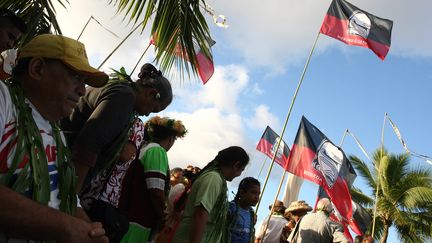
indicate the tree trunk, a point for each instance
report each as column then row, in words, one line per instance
column 385, row 233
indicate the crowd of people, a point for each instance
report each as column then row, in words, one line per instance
column 80, row 158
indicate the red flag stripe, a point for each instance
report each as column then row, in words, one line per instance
column 338, row 29
column 265, row 147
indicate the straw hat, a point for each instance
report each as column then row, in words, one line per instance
column 298, row 206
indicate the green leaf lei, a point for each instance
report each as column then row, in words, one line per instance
column 35, row 174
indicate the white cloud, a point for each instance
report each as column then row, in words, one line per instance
column 209, row 131
column 273, row 34
column 224, row 88
column 276, row 33
column 262, row 118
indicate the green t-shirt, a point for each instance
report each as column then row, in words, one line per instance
column 155, row 164
column 205, row 191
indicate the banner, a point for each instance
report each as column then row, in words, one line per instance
column 353, row 26
column 315, row 158
column 267, row 144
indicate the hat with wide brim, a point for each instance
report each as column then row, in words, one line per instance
column 71, row 52
column 298, row 206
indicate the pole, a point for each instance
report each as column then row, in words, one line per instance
column 262, row 167
column 139, row 60
column 282, row 133
column 343, row 137
column 360, row 146
column 118, row 46
column 377, row 175
column 85, row 26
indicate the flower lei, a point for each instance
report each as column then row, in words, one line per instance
column 35, row 174
column 175, row 125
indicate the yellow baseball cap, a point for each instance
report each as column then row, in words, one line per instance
column 71, row 52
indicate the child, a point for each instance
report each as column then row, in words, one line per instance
column 240, row 212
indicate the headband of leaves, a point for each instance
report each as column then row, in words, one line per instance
column 175, row 125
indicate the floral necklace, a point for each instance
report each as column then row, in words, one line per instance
column 35, row 173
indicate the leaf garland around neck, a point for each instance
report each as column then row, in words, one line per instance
column 35, row 175
column 221, row 205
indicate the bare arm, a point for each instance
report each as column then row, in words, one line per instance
column 23, row 218
column 199, row 222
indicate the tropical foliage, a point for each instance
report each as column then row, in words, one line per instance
column 404, row 196
column 179, row 28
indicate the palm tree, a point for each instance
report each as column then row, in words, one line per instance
column 179, row 28
column 404, row 196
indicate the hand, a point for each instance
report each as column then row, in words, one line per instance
column 78, row 230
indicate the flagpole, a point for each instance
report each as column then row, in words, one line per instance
column 343, row 137
column 121, row 43
column 139, row 60
column 360, row 145
column 377, row 175
column 281, row 136
column 262, row 167
column 85, row 26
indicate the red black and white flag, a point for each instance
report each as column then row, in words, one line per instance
column 314, row 157
column 354, row 26
column 361, row 218
column 205, row 66
column 267, row 144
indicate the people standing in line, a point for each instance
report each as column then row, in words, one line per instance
column 37, row 179
column 317, row 227
column 147, row 181
column 240, row 213
column 275, row 225
column 205, row 215
column 98, row 127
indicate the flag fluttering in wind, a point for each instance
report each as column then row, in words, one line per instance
column 205, row 66
column 354, row 26
column 314, row 157
column 267, row 144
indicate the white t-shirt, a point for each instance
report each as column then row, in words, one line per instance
column 8, row 135
column 274, row 229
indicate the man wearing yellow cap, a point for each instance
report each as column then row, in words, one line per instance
column 37, row 180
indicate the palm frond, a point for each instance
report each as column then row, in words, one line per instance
column 179, row 30
column 404, row 195
column 359, row 197
column 364, row 171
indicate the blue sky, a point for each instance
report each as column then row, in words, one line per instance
column 259, row 59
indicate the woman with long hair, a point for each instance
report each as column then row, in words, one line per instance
column 205, row 214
